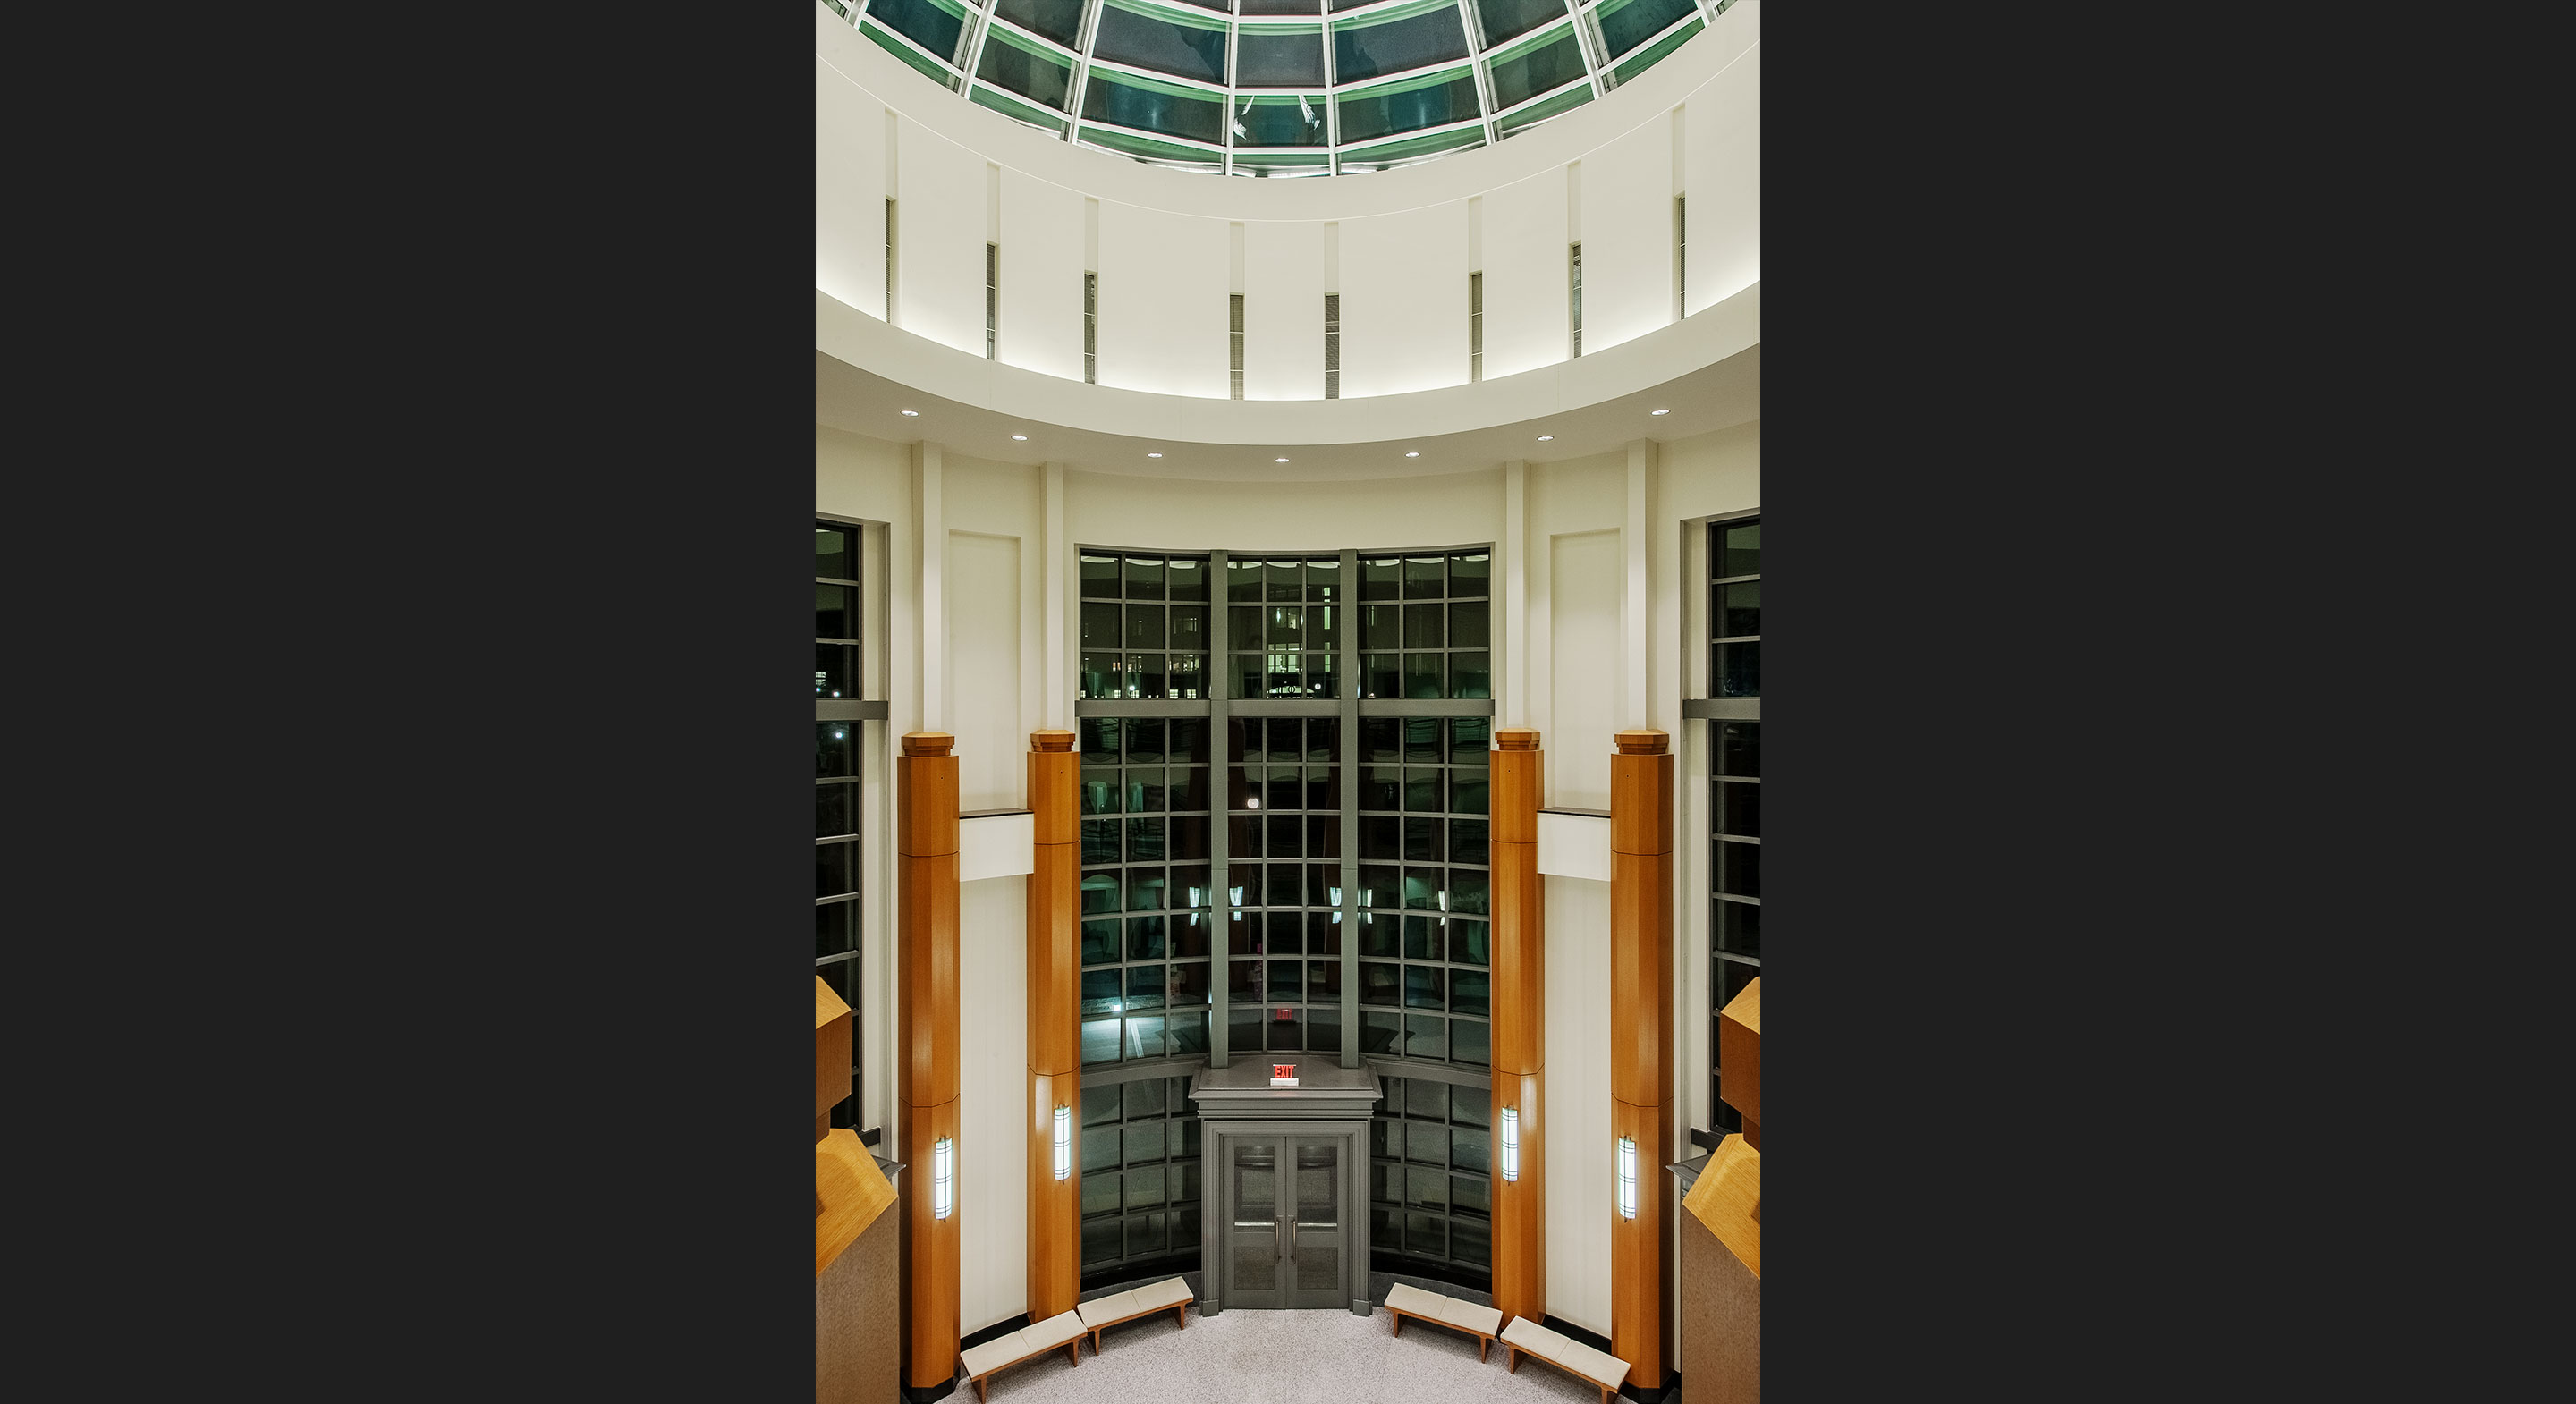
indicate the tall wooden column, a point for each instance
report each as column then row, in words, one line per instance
column 1641, row 1039
column 1520, row 1027
column 925, row 796
column 1055, row 1067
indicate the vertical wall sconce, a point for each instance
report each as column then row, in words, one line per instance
column 943, row 1178
column 1627, row 1178
column 1063, row 1142
column 1512, row 1144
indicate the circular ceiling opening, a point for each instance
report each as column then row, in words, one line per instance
column 1280, row 89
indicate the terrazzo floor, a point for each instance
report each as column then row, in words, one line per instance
column 1283, row 1357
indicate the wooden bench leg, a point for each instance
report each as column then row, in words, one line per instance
column 1073, row 1350
column 1181, row 1316
column 1481, row 1343
column 1516, row 1359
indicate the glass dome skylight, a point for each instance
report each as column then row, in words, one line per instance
column 1280, row 87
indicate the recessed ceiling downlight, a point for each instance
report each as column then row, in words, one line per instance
column 1412, row 453
column 910, row 413
column 1543, row 438
column 1153, row 455
column 1021, row 438
column 1663, row 411
column 1279, row 460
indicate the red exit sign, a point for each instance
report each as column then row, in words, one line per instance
column 1283, row 1069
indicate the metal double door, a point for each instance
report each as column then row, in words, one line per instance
column 1288, row 1240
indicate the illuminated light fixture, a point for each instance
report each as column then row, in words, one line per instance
column 1627, row 1178
column 1279, row 460
column 1543, row 438
column 1663, row 411
column 1252, row 803
column 913, row 413
column 1023, row 438
column 1412, row 454
column 1063, row 1142
column 943, row 1178
column 1512, row 1144
column 1153, row 455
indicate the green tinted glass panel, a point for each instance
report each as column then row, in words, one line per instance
column 1280, row 121
column 1410, row 105
column 1627, row 23
column 1540, row 68
column 1028, row 69
column 1648, row 58
column 1146, row 105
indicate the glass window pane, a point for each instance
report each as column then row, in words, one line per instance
column 836, row 928
column 1739, row 748
column 1739, row 927
column 1507, row 19
column 1739, row 609
column 1739, row 670
column 1740, row 549
column 1468, row 841
column 1100, row 1041
column 1540, row 68
column 1059, row 20
column 1471, row 675
column 1469, row 943
column 1099, row 942
column 1144, row 626
column 1469, row 992
column 1739, row 869
column 1154, row 106
column 1422, row 986
column 1469, row 1042
column 834, row 752
column 1187, row 45
column 835, row 552
column 1409, row 105
column 1627, row 23
column 1739, row 809
column 1367, row 48
column 1291, row 58
column 933, row 24
column 1030, row 70
column 1422, row 674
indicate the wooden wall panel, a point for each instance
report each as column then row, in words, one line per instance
column 1637, row 1248
column 1055, row 972
column 1641, row 1045
column 930, row 1290
column 1641, row 938
column 1520, row 1206
column 1055, row 1206
column 926, row 993
column 1519, row 1024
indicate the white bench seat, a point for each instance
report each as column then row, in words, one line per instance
column 1599, row 1368
column 1404, row 1299
column 1062, row 1331
column 1172, row 1294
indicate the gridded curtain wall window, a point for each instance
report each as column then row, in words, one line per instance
column 1140, row 1177
column 1284, row 883
column 1426, row 625
column 1424, row 888
column 1148, row 894
column 1341, row 815
column 1431, row 1199
column 1284, row 626
column 1144, row 626
column 1280, row 88
column 1735, row 801
column 837, row 772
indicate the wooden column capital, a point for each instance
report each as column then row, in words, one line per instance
column 1051, row 739
column 1642, row 741
column 928, row 743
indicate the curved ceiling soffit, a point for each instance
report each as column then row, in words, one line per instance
column 1678, row 349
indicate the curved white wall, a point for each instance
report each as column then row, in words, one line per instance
column 1398, row 246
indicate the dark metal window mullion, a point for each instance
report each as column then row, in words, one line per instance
column 1220, row 816
column 1350, row 725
